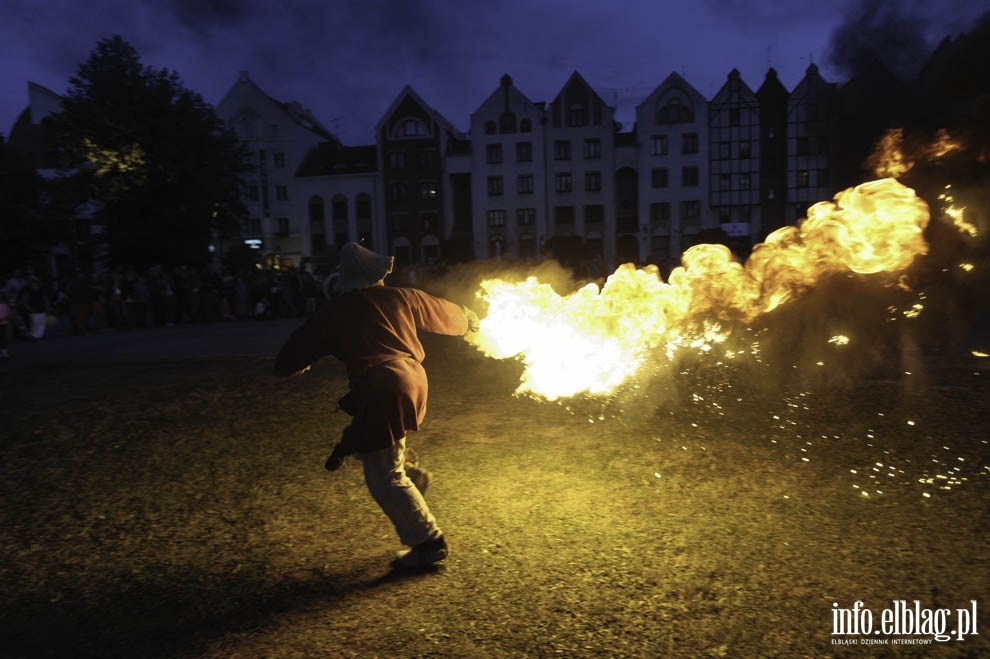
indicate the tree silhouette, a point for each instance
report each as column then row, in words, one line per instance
column 165, row 174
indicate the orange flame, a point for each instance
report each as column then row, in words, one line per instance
column 593, row 340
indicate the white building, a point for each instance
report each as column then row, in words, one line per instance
column 278, row 136
column 672, row 140
column 508, row 175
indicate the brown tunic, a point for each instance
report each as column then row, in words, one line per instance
column 373, row 332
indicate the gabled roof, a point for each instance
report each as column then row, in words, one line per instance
column 293, row 110
column 577, row 79
column 673, row 81
column 408, row 91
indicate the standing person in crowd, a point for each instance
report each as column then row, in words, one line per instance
column 33, row 303
column 372, row 329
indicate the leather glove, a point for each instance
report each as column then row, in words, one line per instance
column 474, row 323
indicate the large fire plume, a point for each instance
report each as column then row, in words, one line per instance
column 594, row 339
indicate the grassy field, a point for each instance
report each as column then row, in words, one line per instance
column 180, row 509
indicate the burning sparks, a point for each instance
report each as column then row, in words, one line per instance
column 957, row 214
column 592, row 340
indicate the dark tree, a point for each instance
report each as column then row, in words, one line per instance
column 154, row 155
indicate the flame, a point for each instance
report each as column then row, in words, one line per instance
column 957, row 214
column 890, row 157
column 593, row 340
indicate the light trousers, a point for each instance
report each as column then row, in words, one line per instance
column 395, row 493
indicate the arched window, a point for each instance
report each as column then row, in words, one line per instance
column 490, row 127
column 525, row 126
column 674, row 111
column 363, row 206
column 410, row 127
column 507, row 123
column 339, row 207
column 316, row 210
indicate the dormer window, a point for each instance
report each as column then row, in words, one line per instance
column 490, row 127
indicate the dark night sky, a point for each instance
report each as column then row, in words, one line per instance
column 348, row 59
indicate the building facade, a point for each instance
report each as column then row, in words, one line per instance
column 532, row 179
column 278, row 136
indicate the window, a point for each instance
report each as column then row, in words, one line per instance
column 252, row 192
column 495, row 186
column 396, row 160
column 745, row 181
column 724, row 182
column 745, row 150
column 252, row 225
column 689, row 143
column 524, row 152
column 316, row 213
column 593, row 148
column 525, row 126
column 400, row 222
column 562, row 182
column 496, row 218
column 493, row 154
column 363, row 207
column 490, row 127
column 428, row 190
column 563, row 215
column 526, row 216
column 724, row 214
column 690, row 210
column 592, row 181
column 524, row 184
column 658, row 145
column 411, row 127
column 279, row 159
column 507, row 123
column 576, row 116
column 428, row 220
column 724, row 152
column 673, row 112
column 803, row 178
column 801, row 146
column 822, row 180
column 338, row 207
column 689, row 176
column 281, row 193
column 424, row 158
column 735, row 116
column 397, row 191
column 594, row 214
column 658, row 177
column 562, row 150
column 283, row 226
column 660, row 212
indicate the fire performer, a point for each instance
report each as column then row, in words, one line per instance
column 372, row 329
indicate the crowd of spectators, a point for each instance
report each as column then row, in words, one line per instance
column 126, row 299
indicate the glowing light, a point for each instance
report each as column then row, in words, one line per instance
column 977, row 353
column 839, row 340
column 593, row 340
